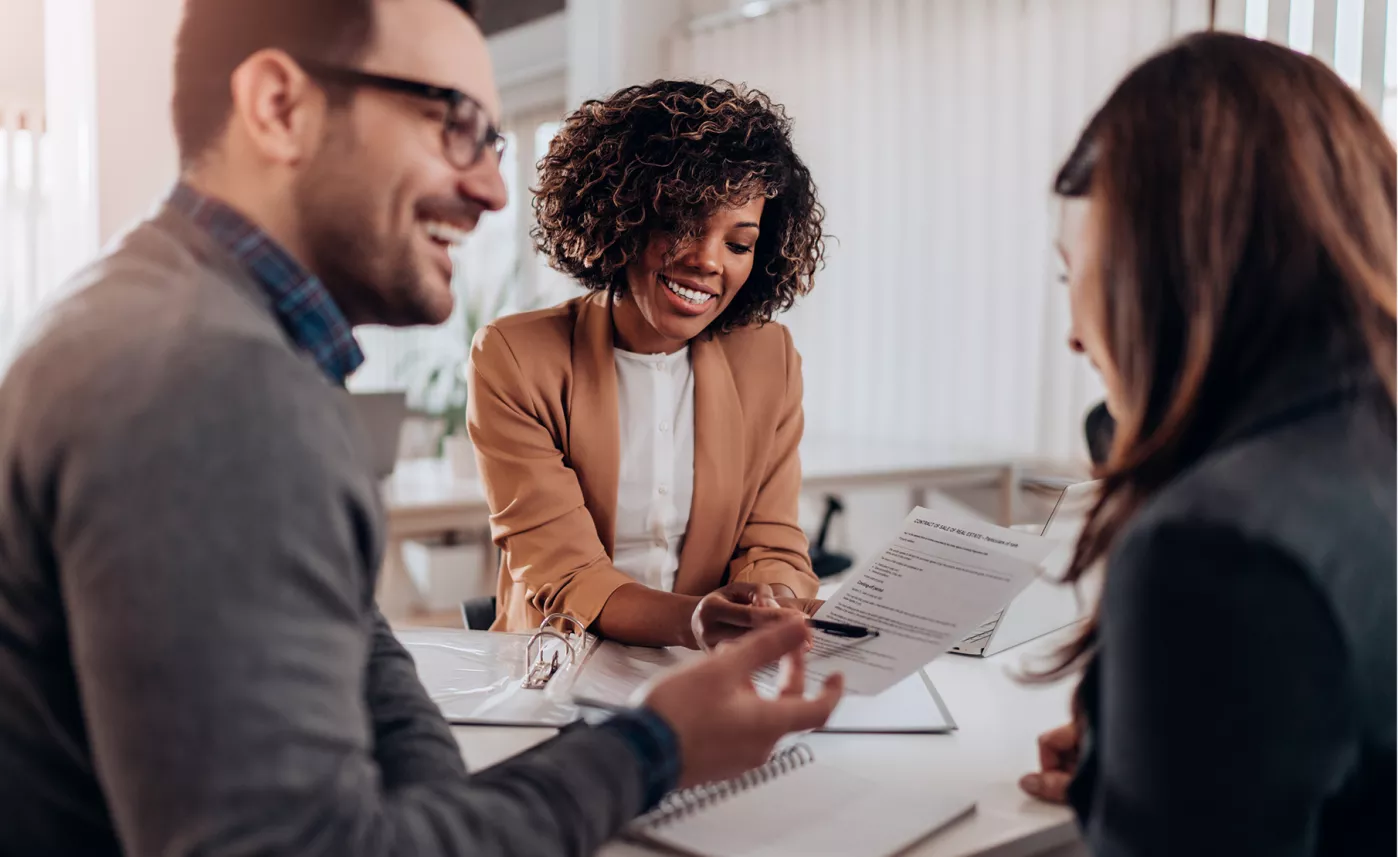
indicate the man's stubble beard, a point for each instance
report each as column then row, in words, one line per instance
column 372, row 280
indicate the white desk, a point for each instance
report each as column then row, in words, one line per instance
column 836, row 465
column 999, row 722
column 424, row 497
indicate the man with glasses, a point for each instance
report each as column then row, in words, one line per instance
column 191, row 661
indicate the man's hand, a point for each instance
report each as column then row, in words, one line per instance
column 736, row 609
column 1058, row 759
column 724, row 727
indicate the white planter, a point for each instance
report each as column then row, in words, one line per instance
column 461, row 455
column 447, row 574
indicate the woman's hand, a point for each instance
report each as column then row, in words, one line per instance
column 808, row 606
column 736, row 609
column 1058, row 760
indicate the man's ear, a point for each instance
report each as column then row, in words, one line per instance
column 277, row 107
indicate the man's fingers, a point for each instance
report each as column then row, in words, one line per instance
column 768, row 643
column 1051, row 786
column 793, row 676
column 797, row 714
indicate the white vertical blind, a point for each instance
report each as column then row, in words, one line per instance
column 1231, row 15
column 1325, row 19
column 933, row 128
column 47, row 176
column 1279, row 20
column 1352, row 36
column 1378, row 20
column 24, row 233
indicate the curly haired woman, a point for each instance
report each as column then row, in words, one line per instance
column 638, row 445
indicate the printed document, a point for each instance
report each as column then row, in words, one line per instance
column 940, row 578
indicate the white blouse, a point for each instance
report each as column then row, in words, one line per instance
column 655, row 394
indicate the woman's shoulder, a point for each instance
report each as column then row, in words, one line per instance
column 533, row 336
column 548, row 321
column 1306, row 490
column 770, row 340
column 1251, row 517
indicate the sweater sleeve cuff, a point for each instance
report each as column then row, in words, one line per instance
column 656, row 747
column 802, row 581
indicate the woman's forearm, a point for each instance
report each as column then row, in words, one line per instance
column 640, row 616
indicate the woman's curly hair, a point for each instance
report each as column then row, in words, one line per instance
column 660, row 159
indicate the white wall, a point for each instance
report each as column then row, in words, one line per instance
column 531, row 64
column 697, row 9
column 22, row 54
column 136, row 156
column 615, row 43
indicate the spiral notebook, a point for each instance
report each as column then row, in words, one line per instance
column 795, row 805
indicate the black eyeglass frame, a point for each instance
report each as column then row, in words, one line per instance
column 455, row 99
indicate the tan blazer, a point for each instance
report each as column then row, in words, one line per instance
column 544, row 421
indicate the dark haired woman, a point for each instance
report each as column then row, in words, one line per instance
column 1229, row 233
column 638, row 445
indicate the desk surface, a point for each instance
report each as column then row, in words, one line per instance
column 428, row 484
column 999, row 720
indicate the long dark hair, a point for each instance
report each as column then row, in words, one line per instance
column 1244, row 210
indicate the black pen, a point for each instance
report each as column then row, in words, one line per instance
column 840, row 629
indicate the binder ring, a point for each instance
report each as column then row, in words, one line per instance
column 538, row 637
column 549, row 619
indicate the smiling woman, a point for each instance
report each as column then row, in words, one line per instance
column 643, row 174
column 639, row 445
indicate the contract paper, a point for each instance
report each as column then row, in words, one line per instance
column 939, row 580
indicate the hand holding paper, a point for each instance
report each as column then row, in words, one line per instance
column 939, row 579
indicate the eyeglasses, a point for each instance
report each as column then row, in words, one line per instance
column 466, row 131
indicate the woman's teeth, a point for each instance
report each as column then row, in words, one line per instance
column 445, row 233
column 693, row 296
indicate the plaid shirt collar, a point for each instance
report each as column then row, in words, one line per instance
column 303, row 305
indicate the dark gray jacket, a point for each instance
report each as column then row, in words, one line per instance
column 1242, row 700
column 191, row 661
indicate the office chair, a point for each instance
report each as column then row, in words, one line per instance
column 478, row 614
column 1100, row 429
column 823, row 562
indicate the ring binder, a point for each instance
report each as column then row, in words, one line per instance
column 537, row 669
column 680, row 804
